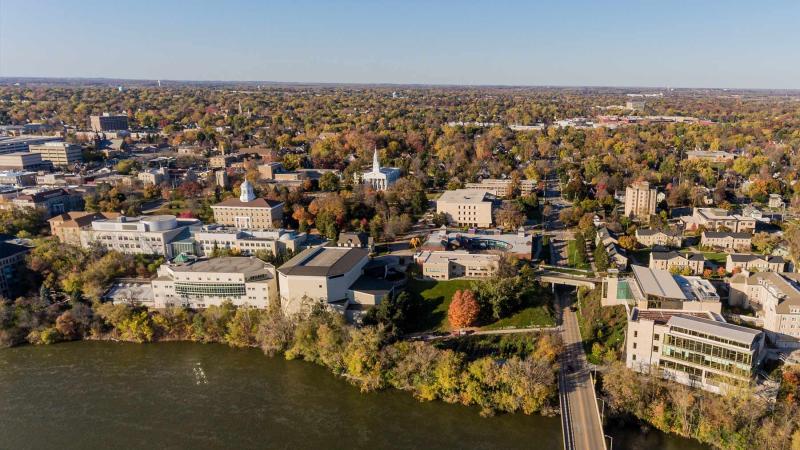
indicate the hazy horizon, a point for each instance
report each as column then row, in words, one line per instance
column 713, row 45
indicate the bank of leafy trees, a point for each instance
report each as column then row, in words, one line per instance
column 363, row 356
column 738, row 420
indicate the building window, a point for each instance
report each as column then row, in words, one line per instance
column 634, row 345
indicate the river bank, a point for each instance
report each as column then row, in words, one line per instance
column 175, row 394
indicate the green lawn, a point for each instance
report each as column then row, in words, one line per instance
column 716, row 257
column 533, row 316
column 436, row 296
column 572, row 257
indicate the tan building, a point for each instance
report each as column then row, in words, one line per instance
column 727, row 240
column 320, row 274
column 200, row 283
column 222, row 161
column 776, row 298
column 458, row 264
column 659, row 289
column 22, row 161
column 67, row 227
column 640, row 200
column 59, row 153
column 153, row 176
column 698, row 349
column 50, row 201
column 248, row 211
column 754, row 263
column 718, row 219
column 650, row 238
column 466, row 207
column 710, row 156
column 502, row 188
column 248, row 242
column 108, row 122
column 674, row 261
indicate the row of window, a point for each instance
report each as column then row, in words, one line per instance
column 709, row 337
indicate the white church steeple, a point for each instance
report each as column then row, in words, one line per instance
column 247, row 194
column 376, row 165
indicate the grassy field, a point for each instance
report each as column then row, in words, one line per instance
column 436, row 296
column 572, row 259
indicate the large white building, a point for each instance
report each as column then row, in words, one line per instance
column 776, row 298
column 58, row 153
column 380, row 178
column 466, row 207
column 248, row 242
column 245, row 281
column 320, row 274
column 697, row 349
column 718, row 219
column 147, row 235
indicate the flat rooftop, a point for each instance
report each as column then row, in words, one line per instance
column 464, row 196
column 715, row 328
column 229, row 264
column 662, row 316
column 324, row 261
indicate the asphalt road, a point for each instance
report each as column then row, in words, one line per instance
column 579, row 413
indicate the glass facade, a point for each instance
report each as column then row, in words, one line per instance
column 734, row 363
column 185, row 289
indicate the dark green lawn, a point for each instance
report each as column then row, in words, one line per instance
column 435, row 296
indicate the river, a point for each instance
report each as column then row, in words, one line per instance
column 99, row 395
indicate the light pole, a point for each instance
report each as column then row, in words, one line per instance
column 611, row 442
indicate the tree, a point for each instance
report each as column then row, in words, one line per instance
column 628, row 242
column 510, row 216
column 463, row 310
column 329, row 181
column 601, row 259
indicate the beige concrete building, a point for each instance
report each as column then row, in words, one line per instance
column 668, row 238
column 640, row 200
column 674, row 261
column 446, row 265
column 659, row 289
column 710, row 156
column 776, row 298
column 754, row 263
column 248, row 242
column 153, row 176
column 59, row 153
column 50, row 201
column 698, row 349
column 145, row 235
column 466, row 207
column 67, row 227
column 727, row 240
column 718, row 219
column 248, row 212
column 320, row 274
column 200, row 283
column 22, row 161
column 502, row 188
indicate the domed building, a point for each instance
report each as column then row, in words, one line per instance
column 248, row 211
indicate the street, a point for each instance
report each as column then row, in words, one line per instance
column 579, row 412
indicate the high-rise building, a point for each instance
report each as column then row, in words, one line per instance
column 58, row 153
column 466, row 207
column 640, row 200
column 108, row 122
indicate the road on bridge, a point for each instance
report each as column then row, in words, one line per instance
column 580, row 417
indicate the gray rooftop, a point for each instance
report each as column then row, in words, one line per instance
column 659, row 283
column 324, row 261
column 714, row 328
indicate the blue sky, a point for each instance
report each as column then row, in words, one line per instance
column 698, row 43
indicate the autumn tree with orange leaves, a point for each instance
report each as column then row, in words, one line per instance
column 464, row 309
